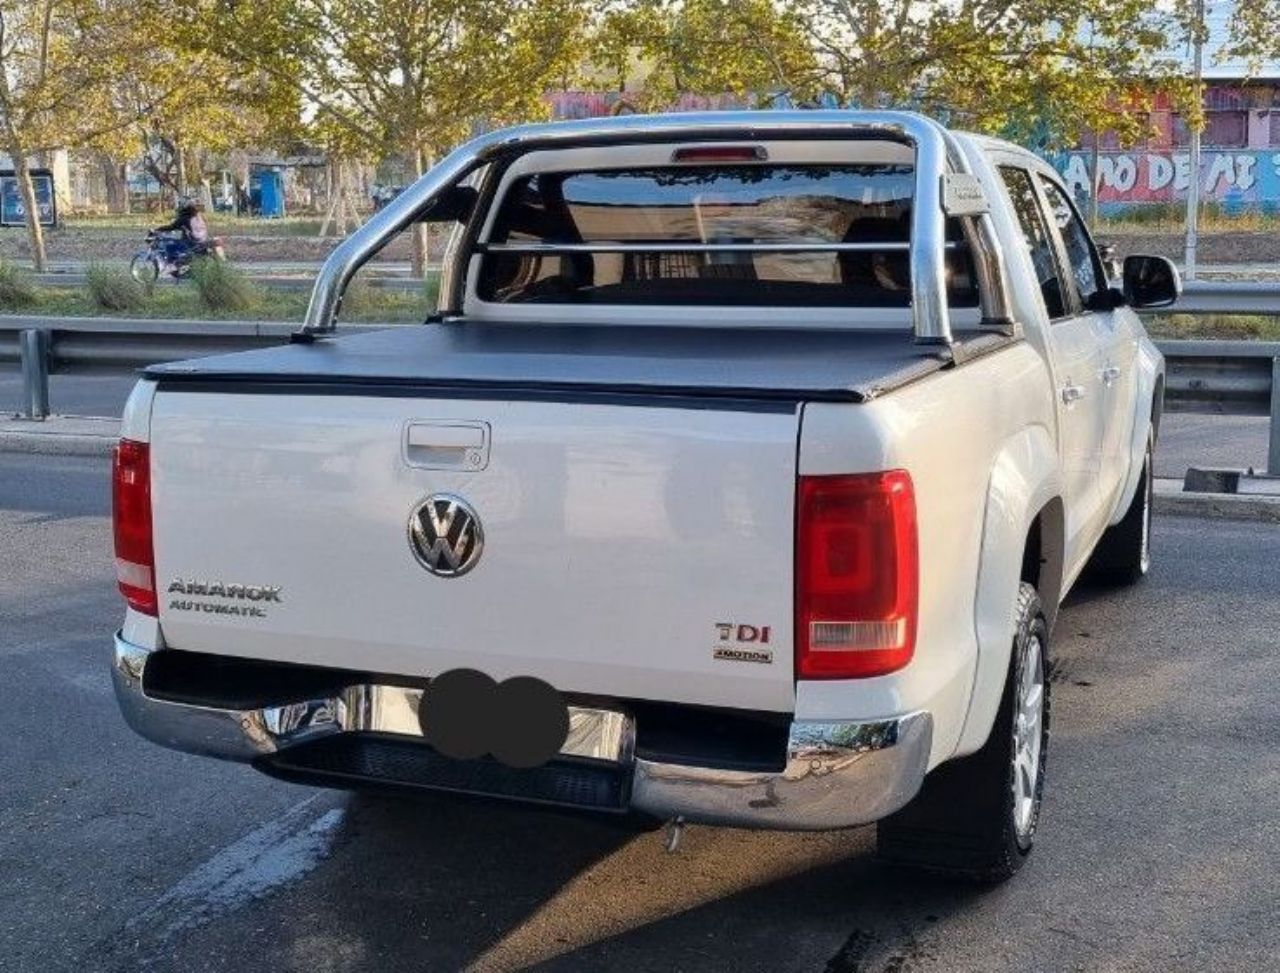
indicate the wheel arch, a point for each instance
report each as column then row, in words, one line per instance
column 1148, row 408
column 1044, row 554
column 1023, row 539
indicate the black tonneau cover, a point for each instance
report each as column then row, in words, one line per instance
column 472, row 358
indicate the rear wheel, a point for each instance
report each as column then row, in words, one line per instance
column 1123, row 555
column 976, row 817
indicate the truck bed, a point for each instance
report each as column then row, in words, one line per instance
column 473, row 359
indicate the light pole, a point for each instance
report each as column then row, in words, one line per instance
column 1193, row 187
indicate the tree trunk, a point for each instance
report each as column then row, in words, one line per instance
column 418, row 231
column 180, row 170
column 117, row 186
column 20, row 168
column 333, row 179
column 27, row 191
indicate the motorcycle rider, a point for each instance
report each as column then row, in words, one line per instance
column 189, row 221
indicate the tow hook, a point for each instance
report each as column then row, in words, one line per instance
column 675, row 830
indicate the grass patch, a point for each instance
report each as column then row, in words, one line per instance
column 223, row 287
column 1238, row 327
column 224, row 224
column 365, row 301
column 17, row 290
column 182, row 301
column 357, row 299
column 112, row 289
column 1172, row 217
column 380, row 305
column 168, row 300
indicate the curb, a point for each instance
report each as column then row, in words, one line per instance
column 1170, row 498
column 56, row 444
column 1220, row 506
column 59, row 436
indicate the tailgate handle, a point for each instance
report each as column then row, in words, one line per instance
column 447, row 445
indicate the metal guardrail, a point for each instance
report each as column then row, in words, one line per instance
column 1226, row 378
column 1211, row 377
column 119, row 346
column 1224, row 297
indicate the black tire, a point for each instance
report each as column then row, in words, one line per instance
column 145, row 269
column 1123, row 555
column 968, row 820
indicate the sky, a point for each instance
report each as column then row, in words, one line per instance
column 1218, row 18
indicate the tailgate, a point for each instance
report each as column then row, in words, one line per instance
column 629, row 550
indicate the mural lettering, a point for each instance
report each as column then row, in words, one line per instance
column 1243, row 179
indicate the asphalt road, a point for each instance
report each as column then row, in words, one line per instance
column 70, row 395
column 1161, row 827
column 1232, row 442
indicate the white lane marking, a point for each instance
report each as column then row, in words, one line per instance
column 267, row 858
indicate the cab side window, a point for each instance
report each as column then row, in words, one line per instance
column 1036, row 234
column 1081, row 256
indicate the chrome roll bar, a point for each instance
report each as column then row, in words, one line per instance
column 938, row 159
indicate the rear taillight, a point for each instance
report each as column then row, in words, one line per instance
column 857, row 575
column 131, row 513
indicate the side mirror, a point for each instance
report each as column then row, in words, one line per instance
column 453, row 205
column 1151, row 281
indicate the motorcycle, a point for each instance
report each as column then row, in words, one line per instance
column 168, row 253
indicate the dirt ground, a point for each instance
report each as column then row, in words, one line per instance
column 88, row 243
column 1236, row 247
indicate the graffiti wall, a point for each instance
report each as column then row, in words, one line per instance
column 1236, row 179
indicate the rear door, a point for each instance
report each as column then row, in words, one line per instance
column 1076, row 361
column 1117, row 346
column 627, row 550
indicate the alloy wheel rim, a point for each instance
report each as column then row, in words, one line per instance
column 1027, row 726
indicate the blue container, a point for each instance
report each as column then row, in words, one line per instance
column 266, row 193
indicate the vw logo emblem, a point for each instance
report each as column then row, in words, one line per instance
column 445, row 535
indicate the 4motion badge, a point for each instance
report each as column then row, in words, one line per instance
column 742, row 643
column 445, row 535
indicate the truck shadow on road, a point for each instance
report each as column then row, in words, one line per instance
column 437, row 883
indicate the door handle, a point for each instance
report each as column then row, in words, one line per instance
column 1072, row 393
column 446, row 445
column 1110, row 374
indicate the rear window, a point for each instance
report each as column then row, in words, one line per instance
column 668, row 222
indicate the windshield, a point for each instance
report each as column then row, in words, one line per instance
column 712, row 234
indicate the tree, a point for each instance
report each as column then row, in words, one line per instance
column 661, row 49
column 1054, row 69
column 1254, row 30
column 59, row 62
column 405, row 76
column 221, row 108
column 994, row 65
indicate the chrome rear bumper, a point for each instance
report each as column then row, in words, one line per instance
column 837, row 774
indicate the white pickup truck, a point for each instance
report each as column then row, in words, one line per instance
column 738, row 479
